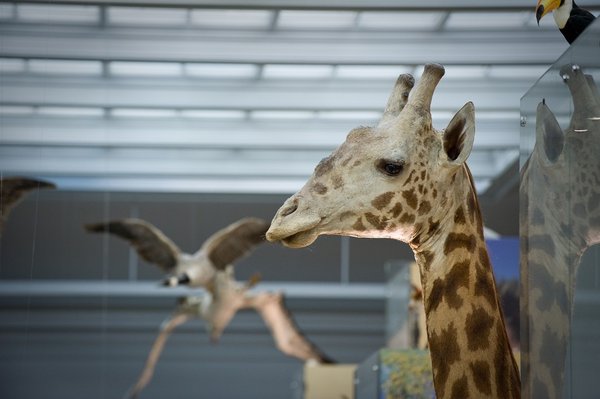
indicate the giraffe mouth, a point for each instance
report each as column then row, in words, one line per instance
column 298, row 236
column 301, row 239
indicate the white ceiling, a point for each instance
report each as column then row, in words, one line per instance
column 247, row 97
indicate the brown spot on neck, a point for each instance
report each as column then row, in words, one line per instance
column 411, row 198
column 358, row 225
column 459, row 216
column 409, row 178
column 482, row 376
column 383, row 200
column 396, row 210
column 424, row 208
column 478, row 327
column 459, row 240
column 445, row 352
column 447, row 287
column 407, row 218
column 457, row 277
column 435, row 296
column 460, row 388
column 375, row 221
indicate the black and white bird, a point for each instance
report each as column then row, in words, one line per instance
column 211, row 267
column 571, row 19
column 13, row 190
column 217, row 253
column 271, row 307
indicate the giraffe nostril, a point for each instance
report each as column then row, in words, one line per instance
column 289, row 210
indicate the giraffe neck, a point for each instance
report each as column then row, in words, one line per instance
column 470, row 351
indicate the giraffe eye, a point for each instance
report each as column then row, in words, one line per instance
column 390, row 168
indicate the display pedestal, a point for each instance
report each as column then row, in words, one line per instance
column 329, row 381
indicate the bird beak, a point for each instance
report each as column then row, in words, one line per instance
column 544, row 7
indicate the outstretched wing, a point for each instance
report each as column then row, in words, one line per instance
column 167, row 327
column 149, row 242
column 288, row 337
column 13, row 189
column 234, row 241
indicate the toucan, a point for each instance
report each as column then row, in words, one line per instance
column 569, row 17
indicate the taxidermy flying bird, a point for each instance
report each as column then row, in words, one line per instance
column 271, row 307
column 211, row 267
column 569, row 17
column 217, row 253
column 13, row 190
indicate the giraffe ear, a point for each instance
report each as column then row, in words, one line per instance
column 549, row 134
column 459, row 135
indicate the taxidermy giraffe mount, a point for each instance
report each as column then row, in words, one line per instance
column 404, row 180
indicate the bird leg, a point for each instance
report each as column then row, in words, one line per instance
column 167, row 327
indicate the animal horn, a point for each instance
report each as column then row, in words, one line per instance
column 581, row 92
column 423, row 93
column 399, row 96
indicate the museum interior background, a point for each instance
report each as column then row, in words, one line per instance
column 194, row 114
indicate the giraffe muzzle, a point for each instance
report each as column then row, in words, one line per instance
column 293, row 221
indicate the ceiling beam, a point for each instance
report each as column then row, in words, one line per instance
column 494, row 47
column 299, row 135
column 86, row 288
column 350, row 5
column 176, row 184
column 311, row 95
column 76, row 161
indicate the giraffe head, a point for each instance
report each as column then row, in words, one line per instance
column 384, row 181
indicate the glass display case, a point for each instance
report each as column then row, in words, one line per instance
column 397, row 303
column 395, row 373
column 560, row 225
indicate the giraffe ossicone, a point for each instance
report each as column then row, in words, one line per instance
column 404, row 180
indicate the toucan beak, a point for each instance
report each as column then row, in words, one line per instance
column 544, row 7
column 539, row 13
